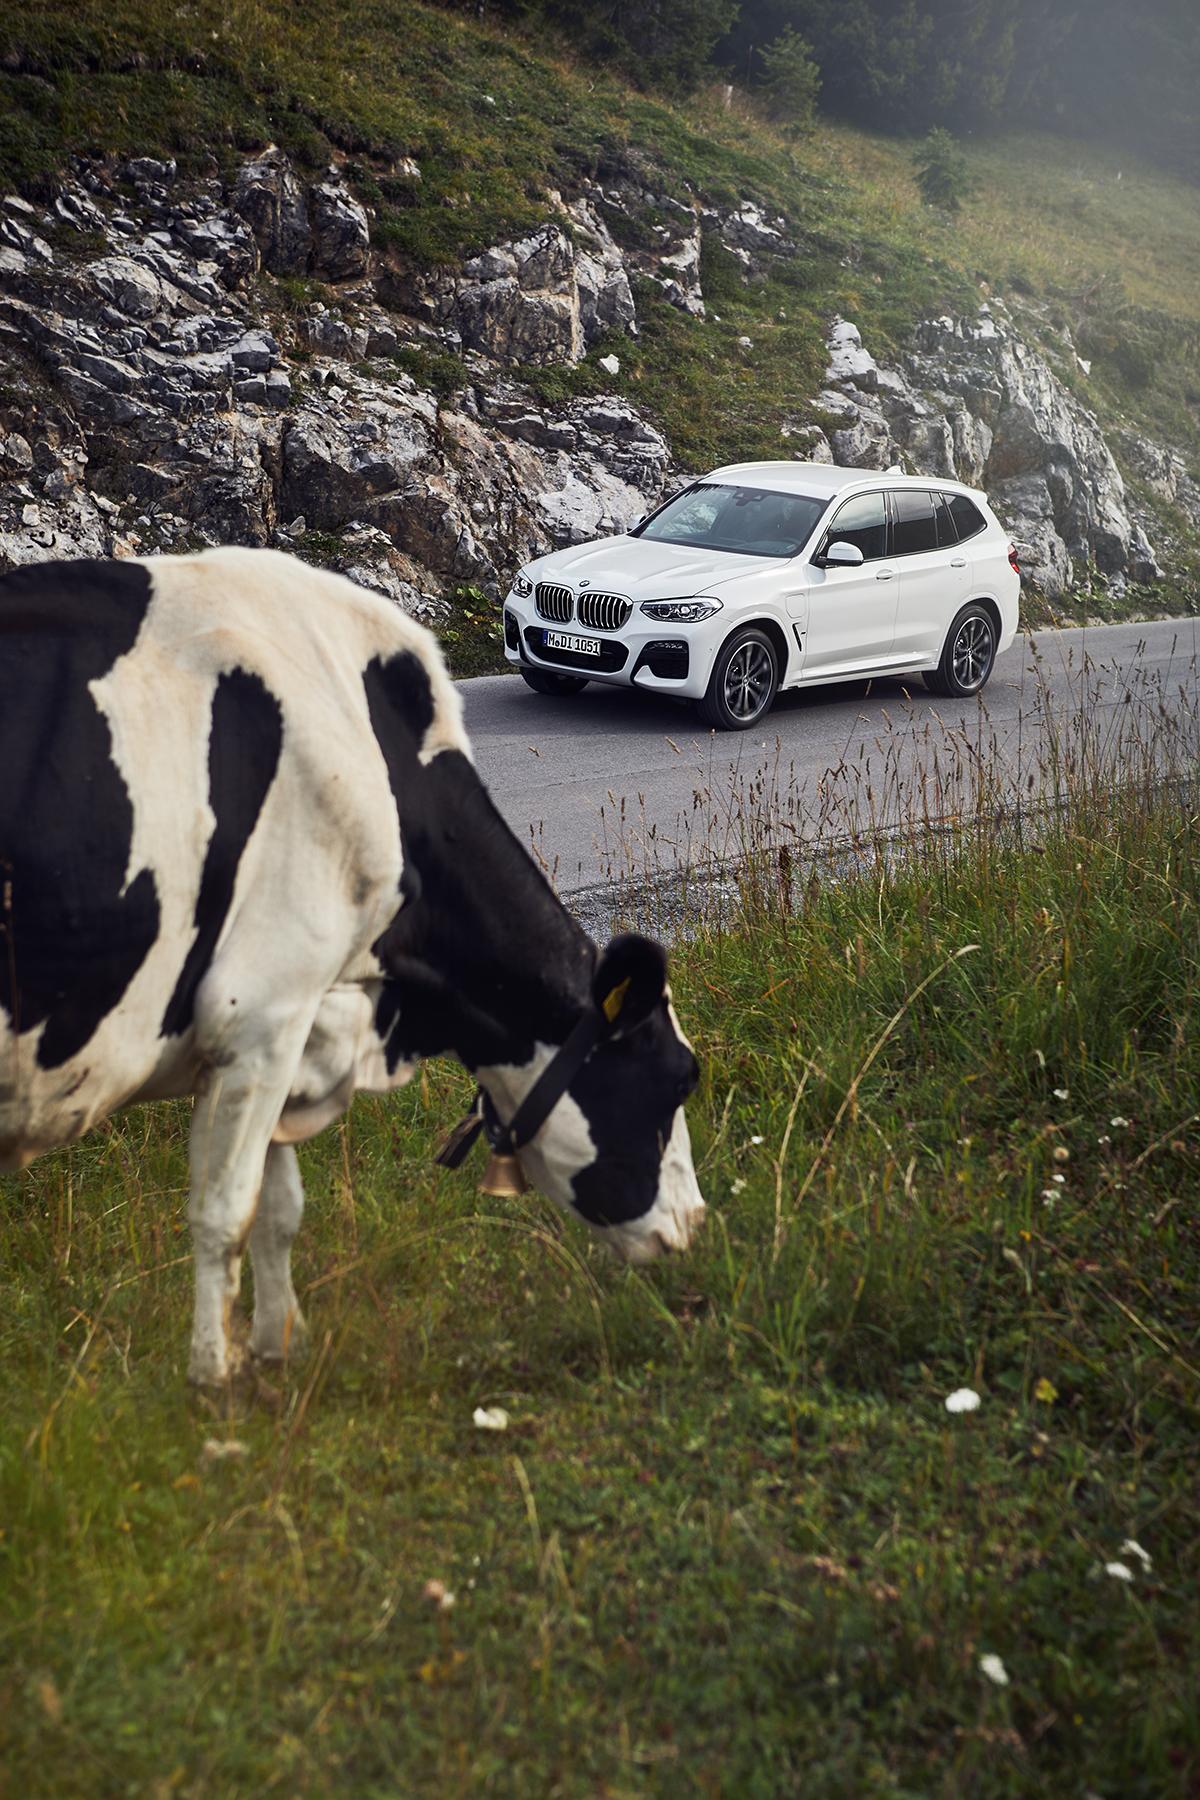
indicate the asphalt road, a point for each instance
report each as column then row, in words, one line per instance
column 613, row 783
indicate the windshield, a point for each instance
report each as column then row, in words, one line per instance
column 747, row 521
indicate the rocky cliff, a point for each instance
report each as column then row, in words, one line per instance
column 186, row 363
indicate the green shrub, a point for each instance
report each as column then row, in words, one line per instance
column 720, row 273
column 942, row 173
column 440, row 371
column 790, row 81
column 1135, row 360
column 471, row 638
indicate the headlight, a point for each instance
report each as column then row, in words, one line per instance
column 522, row 586
column 680, row 612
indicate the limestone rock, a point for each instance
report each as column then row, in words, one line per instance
column 605, row 297
column 268, row 196
column 807, row 443
column 543, row 298
column 322, row 330
column 749, row 229
column 341, row 238
column 974, row 400
column 848, row 361
column 679, row 274
column 158, row 397
column 131, row 288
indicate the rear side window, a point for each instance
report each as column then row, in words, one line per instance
column 946, row 534
column 966, row 515
column 863, row 522
column 913, row 524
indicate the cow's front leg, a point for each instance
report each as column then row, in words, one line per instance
column 231, row 1131
column 278, row 1323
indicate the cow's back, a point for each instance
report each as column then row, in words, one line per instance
column 188, row 780
column 73, row 927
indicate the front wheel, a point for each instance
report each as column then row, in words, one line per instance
column 544, row 683
column 967, row 655
column 744, row 679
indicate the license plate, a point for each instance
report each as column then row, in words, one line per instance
column 567, row 640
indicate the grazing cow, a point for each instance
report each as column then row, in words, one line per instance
column 245, row 856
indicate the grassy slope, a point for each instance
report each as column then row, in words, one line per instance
column 383, row 79
column 732, row 1543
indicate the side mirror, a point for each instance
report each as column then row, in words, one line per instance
column 840, row 555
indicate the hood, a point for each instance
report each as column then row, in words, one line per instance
column 644, row 569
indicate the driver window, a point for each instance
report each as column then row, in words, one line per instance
column 862, row 521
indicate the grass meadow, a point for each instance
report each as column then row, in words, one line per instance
column 732, row 1542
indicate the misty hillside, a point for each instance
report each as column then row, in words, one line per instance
column 432, row 143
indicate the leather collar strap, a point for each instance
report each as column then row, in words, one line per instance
column 538, row 1103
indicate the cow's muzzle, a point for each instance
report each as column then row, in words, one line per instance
column 659, row 1233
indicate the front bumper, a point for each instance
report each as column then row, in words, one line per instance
column 661, row 657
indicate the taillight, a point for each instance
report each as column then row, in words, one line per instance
column 1013, row 564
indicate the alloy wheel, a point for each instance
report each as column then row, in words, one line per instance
column 972, row 655
column 749, row 680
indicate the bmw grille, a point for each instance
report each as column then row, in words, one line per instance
column 553, row 602
column 604, row 612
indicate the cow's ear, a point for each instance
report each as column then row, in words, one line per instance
column 630, row 980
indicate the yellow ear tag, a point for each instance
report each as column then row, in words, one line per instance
column 614, row 1001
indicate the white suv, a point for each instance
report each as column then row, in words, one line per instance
column 774, row 575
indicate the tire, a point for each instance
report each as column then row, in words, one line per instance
column 744, row 681
column 968, row 655
column 561, row 686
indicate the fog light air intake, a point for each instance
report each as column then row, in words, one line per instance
column 667, row 658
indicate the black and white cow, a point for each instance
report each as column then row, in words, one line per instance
column 245, row 856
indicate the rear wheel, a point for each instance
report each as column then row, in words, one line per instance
column 744, row 679
column 542, row 682
column 967, row 655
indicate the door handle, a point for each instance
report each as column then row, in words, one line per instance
column 958, row 562
column 884, row 574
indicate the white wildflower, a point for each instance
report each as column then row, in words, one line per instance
column 992, row 1666
column 1104, row 1140
column 1060, row 1179
column 1061, row 1153
column 962, row 1400
column 439, row 1595
column 1119, row 1571
column 758, row 1139
column 490, row 1418
column 1118, row 1123
column 1131, row 1547
column 1062, row 1093
column 219, row 1450
column 737, row 1186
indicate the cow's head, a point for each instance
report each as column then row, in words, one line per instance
column 615, row 1148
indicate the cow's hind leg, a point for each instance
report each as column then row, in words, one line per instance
column 231, row 1130
column 278, row 1324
